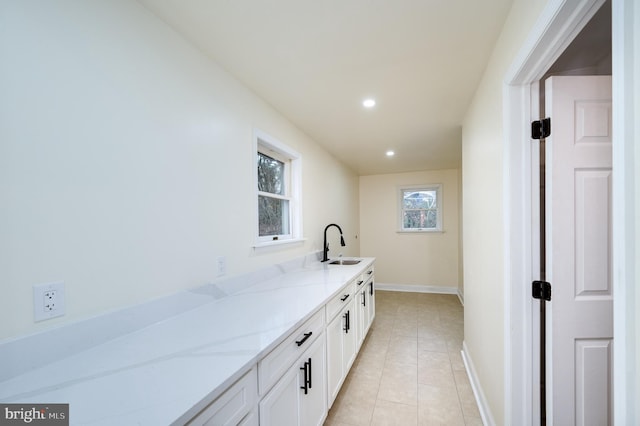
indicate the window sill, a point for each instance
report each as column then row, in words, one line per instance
column 278, row 243
column 421, row 231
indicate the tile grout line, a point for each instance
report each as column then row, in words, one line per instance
column 375, row 404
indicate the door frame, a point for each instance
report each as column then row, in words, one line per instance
column 557, row 25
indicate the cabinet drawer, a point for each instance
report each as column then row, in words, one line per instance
column 368, row 273
column 273, row 366
column 360, row 281
column 341, row 299
column 233, row 405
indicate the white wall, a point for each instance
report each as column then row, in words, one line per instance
column 410, row 259
column 126, row 162
column 483, row 180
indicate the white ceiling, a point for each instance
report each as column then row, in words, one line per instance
column 316, row 61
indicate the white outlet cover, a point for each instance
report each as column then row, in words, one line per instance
column 41, row 313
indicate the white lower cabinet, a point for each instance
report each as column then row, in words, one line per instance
column 300, row 396
column 371, row 304
column 366, row 309
column 368, row 276
column 313, row 401
column 296, row 383
column 341, row 348
column 362, row 311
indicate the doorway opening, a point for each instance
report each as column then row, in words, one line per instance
column 589, row 53
column 559, row 22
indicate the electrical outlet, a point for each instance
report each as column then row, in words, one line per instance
column 48, row 301
column 221, row 265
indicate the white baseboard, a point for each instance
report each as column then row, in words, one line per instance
column 416, row 288
column 483, row 406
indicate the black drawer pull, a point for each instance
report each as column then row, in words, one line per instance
column 345, row 297
column 370, row 272
column 307, row 376
column 360, row 282
column 304, row 339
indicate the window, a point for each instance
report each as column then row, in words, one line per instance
column 420, row 208
column 278, row 188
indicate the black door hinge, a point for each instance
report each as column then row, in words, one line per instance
column 541, row 290
column 541, row 129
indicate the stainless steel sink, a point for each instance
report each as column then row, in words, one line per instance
column 345, row 262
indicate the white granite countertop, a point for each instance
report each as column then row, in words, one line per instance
column 167, row 371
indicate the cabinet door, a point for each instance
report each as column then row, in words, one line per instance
column 367, row 309
column 274, row 365
column 349, row 338
column 300, row 396
column 371, row 303
column 280, row 406
column 362, row 309
column 313, row 403
column 334, row 357
column 341, row 348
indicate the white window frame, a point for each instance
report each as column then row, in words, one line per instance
column 439, row 200
column 292, row 160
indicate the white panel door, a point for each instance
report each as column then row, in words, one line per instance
column 578, row 214
column 280, row 406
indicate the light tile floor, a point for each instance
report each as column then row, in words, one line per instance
column 409, row 370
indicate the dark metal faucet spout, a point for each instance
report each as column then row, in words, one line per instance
column 326, row 245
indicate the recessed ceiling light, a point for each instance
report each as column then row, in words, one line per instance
column 390, row 153
column 369, row 103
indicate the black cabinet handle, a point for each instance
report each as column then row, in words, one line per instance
column 307, row 376
column 370, row 272
column 305, row 382
column 304, row 339
column 345, row 297
column 364, row 298
column 360, row 282
column 371, row 288
column 347, row 322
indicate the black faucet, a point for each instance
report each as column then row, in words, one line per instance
column 326, row 245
